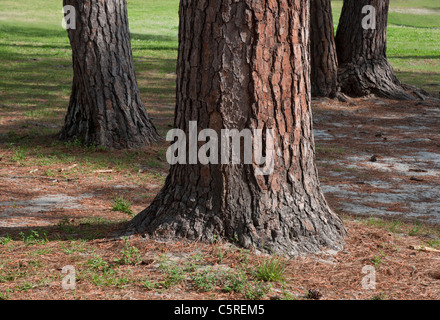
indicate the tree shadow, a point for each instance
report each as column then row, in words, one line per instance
column 91, row 229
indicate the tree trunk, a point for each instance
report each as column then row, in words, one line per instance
column 363, row 64
column 245, row 64
column 324, row 60
column 105, row 106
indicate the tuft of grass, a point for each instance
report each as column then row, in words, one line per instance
column 271, row 270
column 5, row 240
column 122, row 205
column 205, row 280
column 130, row 254
column 33, row 237
column 20, row 154
column 235, row 282
column 256, row 290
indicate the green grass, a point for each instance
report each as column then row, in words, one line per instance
column 122, row 205
column 270, row 270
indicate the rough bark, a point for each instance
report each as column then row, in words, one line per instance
column 105, row 106
column 363, row 64
column 245, row 64
column 324, row 62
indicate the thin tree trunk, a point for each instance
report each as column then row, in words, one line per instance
column 363, row 64
column 324, row 62
column 245, row 64
column 105, row 106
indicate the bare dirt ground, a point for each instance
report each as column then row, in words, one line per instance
column 376, row 158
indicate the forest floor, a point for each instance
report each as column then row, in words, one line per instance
column 379, row 165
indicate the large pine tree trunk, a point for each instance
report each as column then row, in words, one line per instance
column 245, row 64
column 324, row 62
column 105, row 106
column 363, row 64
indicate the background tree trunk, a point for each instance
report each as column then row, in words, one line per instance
column 105, row 107
column 363, row 64
column 324, row 62
column 245, row 64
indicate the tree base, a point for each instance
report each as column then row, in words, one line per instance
column 291, row 228
column 374, row 77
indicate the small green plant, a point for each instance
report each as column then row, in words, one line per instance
column 377, row 260
column 205, row 280
column 5, row 240
column 415, row 230
column 73, row 144
column 256, row 290
column 66, row 226
column 4, row 296
column 173, row 276
column 219, row 254
column 147, row 284
column 394, row 226
column 272, row 269
column 98, row 263
column 20, row 154
column 26, row 286
column 235, row 282
column 130, row 254
column 33, row 237
column 122, row 205
column 379, row 296
column 433, row 243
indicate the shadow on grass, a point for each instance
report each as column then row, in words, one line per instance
column 413, row 57
column 86, row 229
column 428, row 81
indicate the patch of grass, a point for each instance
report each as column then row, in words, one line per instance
column 76, row 246
column 433, row 243
column 98, row 263
column 5, row 295
column 174, row 275
column 271, row 270
column 256, row 290
column 20, row 154
column 5, row 240
column 235, row 282
column 379, row 296
column 130, row 254
column 378, row 259
column 147, row 284
column 415, row 229
column 33, row 237
column 205, row 280
column 122, row 205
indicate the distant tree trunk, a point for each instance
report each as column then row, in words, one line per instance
column 324, row 60
column 105, row 106
column 363, row 64
column 245, row 64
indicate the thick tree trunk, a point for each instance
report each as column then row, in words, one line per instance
column 324, row 62
column 363, row 64
column 245, row 64
column 105, row 106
